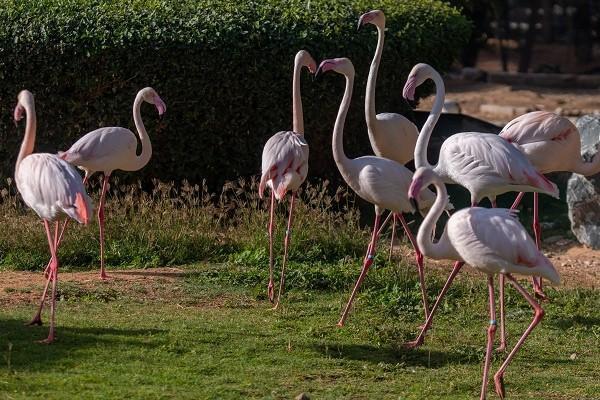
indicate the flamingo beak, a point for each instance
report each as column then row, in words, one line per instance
column 414, row 203
column 160, row 105
column 409, row 88
column 18, row 114
column 360, row 22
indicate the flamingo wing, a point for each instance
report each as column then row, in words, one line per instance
column 493, row 240
column 537, row 126
column 284, row 159
column 103, row 149
column 50, row 186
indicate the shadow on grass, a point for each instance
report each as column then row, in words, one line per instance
column 388, row 354
column 27, row 354
column 576, row 320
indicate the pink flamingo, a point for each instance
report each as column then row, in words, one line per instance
column 552, row 143
column 112, row 148
column 285, row 166
column 380, row 181
column 485, row 164
column 53, row 189
column 391, row 135
column 492, row 241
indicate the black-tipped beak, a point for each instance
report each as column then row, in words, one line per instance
column 414, row 203
column 360, row 23
column 317, row 74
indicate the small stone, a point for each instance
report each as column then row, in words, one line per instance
column 559, row 110
column 573, row 356
column 302, row 396
column 451, row 107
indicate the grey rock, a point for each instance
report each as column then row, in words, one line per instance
column 583, row 193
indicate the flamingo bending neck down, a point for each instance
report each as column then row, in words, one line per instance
column 484, row 163
column 53, row 189
column 285, row 166
column 391, row 135
column 493, row 242
column 380, row 181
column 113, row 148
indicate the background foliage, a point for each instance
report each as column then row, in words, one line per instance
column 223, row 68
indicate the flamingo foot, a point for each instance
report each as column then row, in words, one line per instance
column 413, row 344
column 36, row 320
column 501, row 348
column 48, row 340
column 499, row 384
column 271, row 291
column 340, row 324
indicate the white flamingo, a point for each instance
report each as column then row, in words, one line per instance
column 285, row 166
column 380, row 181
column 391, row 135
column 53, row 189
column 490, row 240
column 484, row 163
column 113, row 148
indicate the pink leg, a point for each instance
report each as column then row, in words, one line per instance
column 366, row 265
column 54, row 277
column 419, row 257
column 286, row 243
column 421, row 338
column 37, row 318
column 101, row 224
column 270, row 287
column 537, row 231
column 490, row 338
column 502, row 346
column 517, row 200
column 393, row 236
column 539, row 314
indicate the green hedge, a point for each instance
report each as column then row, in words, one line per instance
column 223, row 68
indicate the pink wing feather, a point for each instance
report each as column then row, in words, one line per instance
column 537, row 126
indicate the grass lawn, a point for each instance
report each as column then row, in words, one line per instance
column 191, row 334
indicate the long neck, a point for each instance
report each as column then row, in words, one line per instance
column 30, row 128
column 434, row 115
column 370, row 112
column 441, row 249
column 144, row 157
column 297, row 115
column 339, row 156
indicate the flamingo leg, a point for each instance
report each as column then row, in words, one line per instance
column 537, row 231
column 54, row 277
column 393, row 235
column 421, row 338
column 101, row 224
column 419, row 258
column 539, row 314
column 490, row 338
column 286, row 243
column 270, row 287
column 37, row 318
column 502, row 346
column 517, row 200
column 363, row 273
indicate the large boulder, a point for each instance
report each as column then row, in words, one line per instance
column 583, row 193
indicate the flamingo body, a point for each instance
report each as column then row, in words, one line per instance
column 393, row 136
column 284, row 163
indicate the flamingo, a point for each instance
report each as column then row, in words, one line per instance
column 53, row 189
column 484, row 163
column 391, row 135
column 380, row 181
column 493, row 242
column 285, row 166
column 552, row 143
column 113, row 148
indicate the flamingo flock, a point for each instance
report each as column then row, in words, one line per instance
column 491, row 240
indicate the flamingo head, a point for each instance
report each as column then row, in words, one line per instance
column 340, row 65
column 422, row 178
column 150, row 96
column 24, row 97
column 304, row 59
column 375, row 17
column 419, row 74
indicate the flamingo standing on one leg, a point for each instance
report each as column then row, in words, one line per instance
column 285, row 166
column 391, row 135
column 53, row 189
column 380, row 181
column 552, row 143
column 492, row 241
column 484, row 163
column 112, row 148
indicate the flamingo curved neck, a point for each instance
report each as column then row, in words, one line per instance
column 434, row 115
column 141, row 160
column 30, row 129
column 370, row 111
column 339, row 156
column 297, row 114
column 442, row 249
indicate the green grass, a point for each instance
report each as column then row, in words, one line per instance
column 211, row 334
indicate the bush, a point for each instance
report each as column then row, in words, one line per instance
column 223, row 68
